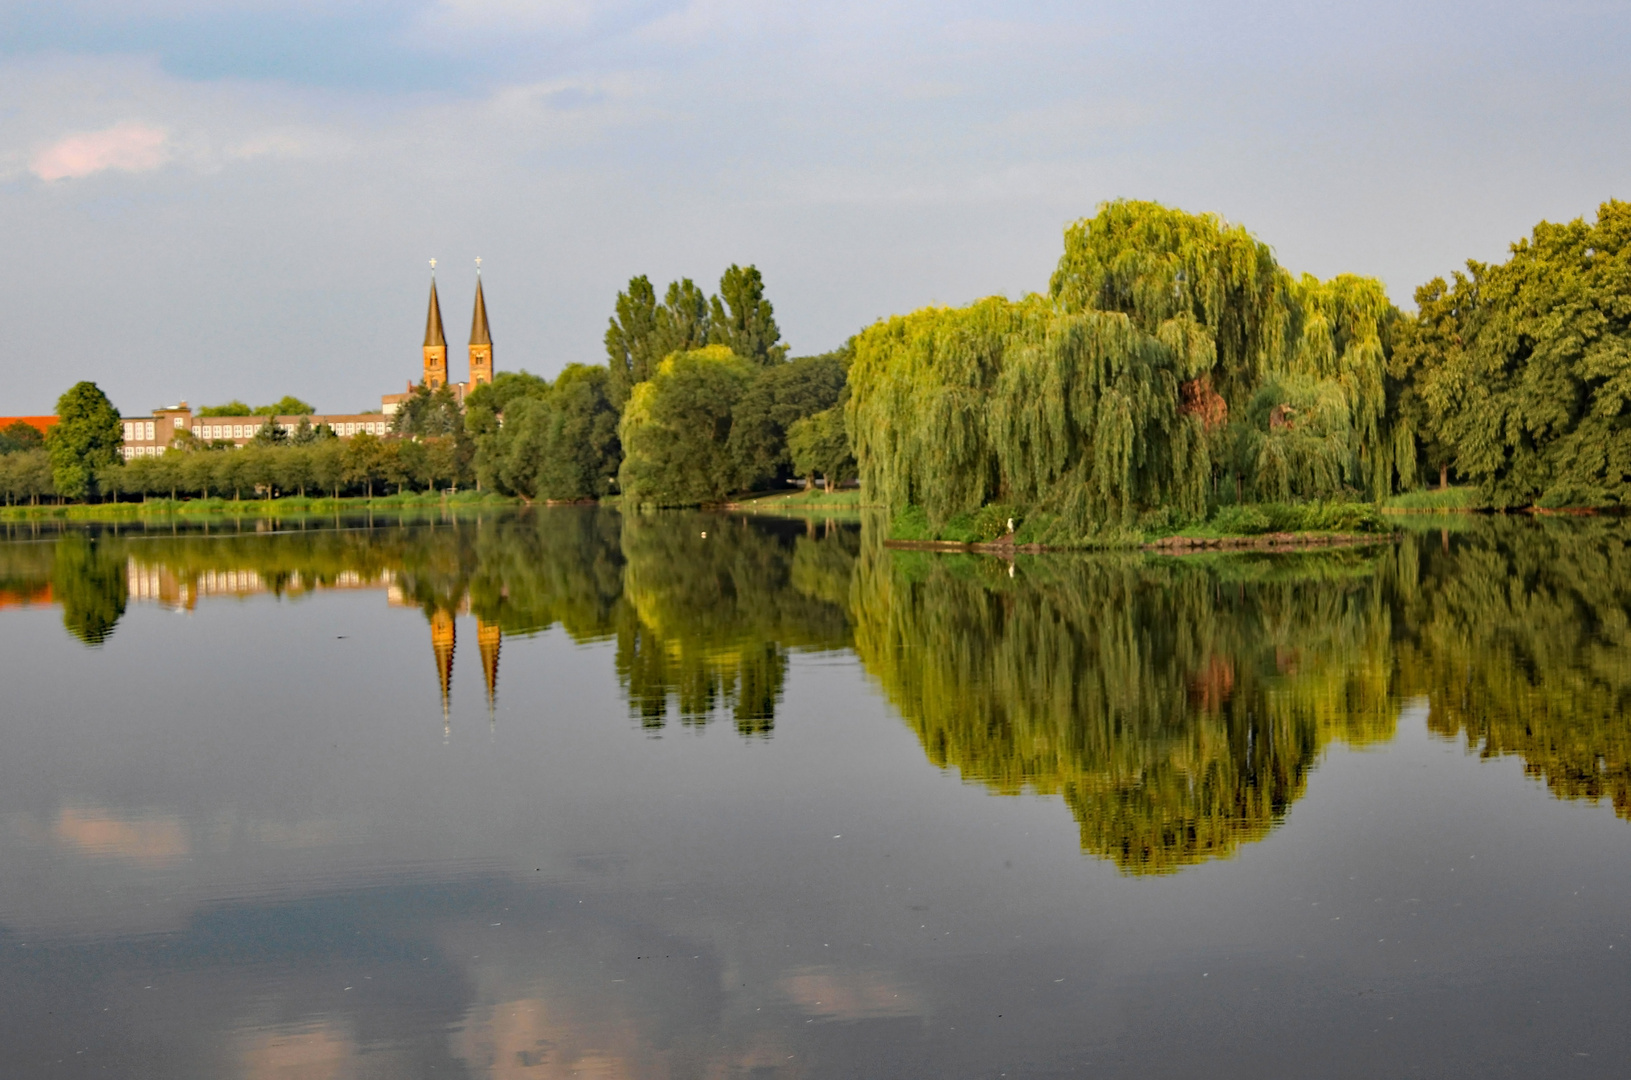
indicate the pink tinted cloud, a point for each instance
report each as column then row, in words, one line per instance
column 132, row 146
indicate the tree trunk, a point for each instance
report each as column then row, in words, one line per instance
column 1443, row 477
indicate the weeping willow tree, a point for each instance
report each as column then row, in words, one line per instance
column 1178, row 709
column 1173, row 365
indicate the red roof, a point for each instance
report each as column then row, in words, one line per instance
column 41, row 423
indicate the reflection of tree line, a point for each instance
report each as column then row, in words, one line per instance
column 1521, row 638
column 1177, row 706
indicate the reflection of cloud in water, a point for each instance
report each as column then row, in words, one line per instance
column 144, row 838
column 833, row 994
column 530, row 1039
column 323, row 1052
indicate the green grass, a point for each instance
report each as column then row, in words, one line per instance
column 1228, row 522
column 1458, row 498
column 844, row 499
column 290, row 505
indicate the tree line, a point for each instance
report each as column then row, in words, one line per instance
column 1172, row 369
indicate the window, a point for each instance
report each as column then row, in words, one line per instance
column 149, row 429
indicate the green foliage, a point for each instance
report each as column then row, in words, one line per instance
column 88, row 580
column 231, row 408
column 20, row 436
column 1175, row 365
column 271, row 433
column 820, row 445
column 780, row 396
column 85, row 440
column 676, row 429
column 428, row 412
column 1176, row 719
column 643, row 332
column 26, row 475
column 556, row 442
column 288, row 405
column 742, row 320
column 1523, row 369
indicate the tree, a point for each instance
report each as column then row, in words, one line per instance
column 782, row 394
column 364, row 459
column 429, row 412
column 328, row 464
column 631, row 337
column 86, row 439
column 1175, row 366
column 287, row 405
column 231, row 408
column 742, row 319
column 271, row 433
column 642, row 331
column 26, row 474
column 561, row 445
column 20, row 436
column 304, row 433
column 1525, row 366
column 676, row 428
column 820, row 444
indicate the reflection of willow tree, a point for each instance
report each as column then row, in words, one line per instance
column 715, row 603
column 88, row 580
column 1177, row 708
column 1521, row 638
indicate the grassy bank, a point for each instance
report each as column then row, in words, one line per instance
column 284, row 507
column 1291, row 522
column 803, row 502
column 1459, row 499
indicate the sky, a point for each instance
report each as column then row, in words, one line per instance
column 215, row 199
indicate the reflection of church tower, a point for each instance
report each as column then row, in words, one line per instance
column 435, row 343
column 489, row 637
column 441, row 640
column 481, row 341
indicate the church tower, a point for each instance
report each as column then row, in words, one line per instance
column 435, row 341
column 481, row 340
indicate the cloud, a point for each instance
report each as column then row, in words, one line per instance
column 131, row 146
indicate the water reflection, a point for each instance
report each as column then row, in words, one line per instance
column 1177, row 706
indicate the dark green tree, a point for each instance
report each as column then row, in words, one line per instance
column 20, row 436
column 1526, row 366
column 781, row 395
column 271, row 433
column 85, row 440
column 428, row 413
column 632, row 337
column 743, row 320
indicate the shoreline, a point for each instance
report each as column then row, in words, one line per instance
column 1168, row 545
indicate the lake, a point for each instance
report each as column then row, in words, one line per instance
column 565, row 792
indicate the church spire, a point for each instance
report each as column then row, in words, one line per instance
column 435, row 340
column 490, row 637
column 442, row 642
column 433, row 320
column 481, row 339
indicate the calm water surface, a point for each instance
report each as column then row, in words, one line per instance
column 569, row 793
